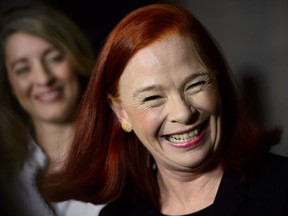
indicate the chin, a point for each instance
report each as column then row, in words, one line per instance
column 57, row 118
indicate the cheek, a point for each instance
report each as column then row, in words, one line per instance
column 146, row 122
column 19, row 86
column 208, row 101
column 146, row 128
column 65, row 72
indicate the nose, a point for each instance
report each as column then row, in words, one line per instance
column 181, row 111
column 43, row 75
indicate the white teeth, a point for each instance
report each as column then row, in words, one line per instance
column 180, row 138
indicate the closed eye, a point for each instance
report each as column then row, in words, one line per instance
column 151, row 98
column 54, row 59
column 22, row 70
column 197, row 85
column 53, row 56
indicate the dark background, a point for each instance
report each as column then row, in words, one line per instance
column 95, row 17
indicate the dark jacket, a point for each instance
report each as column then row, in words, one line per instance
column 264, row 193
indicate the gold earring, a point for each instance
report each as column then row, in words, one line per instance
column 126, row 127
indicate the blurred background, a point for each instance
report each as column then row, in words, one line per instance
column 252, row 34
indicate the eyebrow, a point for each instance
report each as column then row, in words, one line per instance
column 187, row 79
column 196, row 75
column 145, row 89
column 51, row 49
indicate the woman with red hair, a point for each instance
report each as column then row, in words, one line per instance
column 161, row 129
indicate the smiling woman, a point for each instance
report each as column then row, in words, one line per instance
column 45, row 65
column 187, row 147
column 171, row 101
column 33, row 65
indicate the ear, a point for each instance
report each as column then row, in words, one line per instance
column 120, row 112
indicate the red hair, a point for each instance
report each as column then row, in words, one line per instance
column 103, row 157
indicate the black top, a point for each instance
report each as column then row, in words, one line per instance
column 203, row 212
column 265, row 194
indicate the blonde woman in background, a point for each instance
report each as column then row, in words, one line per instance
column 45, row 63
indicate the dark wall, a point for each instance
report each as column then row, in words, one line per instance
column 98, row 17
column 95, row 17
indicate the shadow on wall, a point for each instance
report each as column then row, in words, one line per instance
column 252, row 82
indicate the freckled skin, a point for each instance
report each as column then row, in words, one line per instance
column 165, row 89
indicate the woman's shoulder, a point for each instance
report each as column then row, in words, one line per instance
column 263, row 192
column 273, row 170
column 269, row 182
column 268, row 190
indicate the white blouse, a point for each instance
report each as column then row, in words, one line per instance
column 30, row 201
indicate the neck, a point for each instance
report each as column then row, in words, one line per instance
column 188, row 193
column 54, row 139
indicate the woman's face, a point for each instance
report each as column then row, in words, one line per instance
column 171, row 101
column 42, row 78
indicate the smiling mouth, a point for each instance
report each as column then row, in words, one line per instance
column 185, row 137
column 49, row 96
column 188, row 136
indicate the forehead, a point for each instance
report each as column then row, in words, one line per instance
column 171, row 53
column 19, row 43
column 164, row 49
